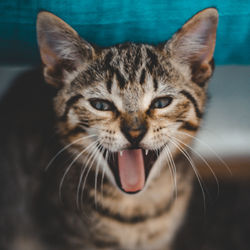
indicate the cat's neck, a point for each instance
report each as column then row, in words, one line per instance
column 155, row 199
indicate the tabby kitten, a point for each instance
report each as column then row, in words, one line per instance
column 114, row 141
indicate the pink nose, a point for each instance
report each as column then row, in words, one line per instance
column 135, row 133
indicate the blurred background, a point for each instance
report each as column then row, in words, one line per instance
column 226, row 128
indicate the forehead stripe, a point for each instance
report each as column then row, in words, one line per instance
column 121, row 80
column 109, row 85
column 143, row 75
column 108, row 59
column 153, row 60
column 138, row 59
column 155, row 84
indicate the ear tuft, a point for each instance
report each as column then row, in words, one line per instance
column 61, row 48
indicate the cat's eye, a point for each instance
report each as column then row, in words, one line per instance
column 102, row 105
column 161, row 102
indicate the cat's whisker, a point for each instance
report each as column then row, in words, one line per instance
column 203, row 159
column 97, row 171
column 172, row 169
column 187, row 156
column 88, row 157
column 103, row 171
column 80, row 178
column 70, row 165
column 93, row 156
column 81, row 175
column 211, row 150
column 64, row 148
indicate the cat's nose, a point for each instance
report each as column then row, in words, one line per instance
column 134, row 130
column 134, row 136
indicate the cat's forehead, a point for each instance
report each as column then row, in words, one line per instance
column 130, row 58
column 132, row 72
column 128, row 64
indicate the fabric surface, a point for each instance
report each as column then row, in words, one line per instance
column 107, row 22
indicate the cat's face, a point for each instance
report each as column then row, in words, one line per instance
column 128, row 109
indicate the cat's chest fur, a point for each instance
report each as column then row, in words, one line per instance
column 109, row 220
column 144, row 225
column 146, row 221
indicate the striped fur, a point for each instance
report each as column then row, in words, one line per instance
column 128, row 78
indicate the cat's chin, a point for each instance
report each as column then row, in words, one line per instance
column 131, row 176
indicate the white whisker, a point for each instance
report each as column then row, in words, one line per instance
column 203, row 159
column 90, row 155
column 69, row 167
column 64, row 148
column 103, row 172
column 184, row 152
column 96, row 173
column 211, row 150
column 82, row 173
column 93, row 156
column 172, row 168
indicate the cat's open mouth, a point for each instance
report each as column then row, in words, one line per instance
column 131, row 168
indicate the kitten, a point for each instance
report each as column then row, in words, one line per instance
column 111, row 129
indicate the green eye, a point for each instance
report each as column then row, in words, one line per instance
column 161, row 102
column 101, row 105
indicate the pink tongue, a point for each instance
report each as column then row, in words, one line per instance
column 131, row 170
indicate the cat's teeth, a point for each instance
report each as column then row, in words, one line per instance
column 146, row 152
column 121, row 152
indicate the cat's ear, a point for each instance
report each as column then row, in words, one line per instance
column 61, row 48
column 194, row 44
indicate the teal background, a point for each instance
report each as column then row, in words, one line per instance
column 107, row 22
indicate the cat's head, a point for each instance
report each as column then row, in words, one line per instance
column 126, row 109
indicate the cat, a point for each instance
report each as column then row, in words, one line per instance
column 98, row 157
